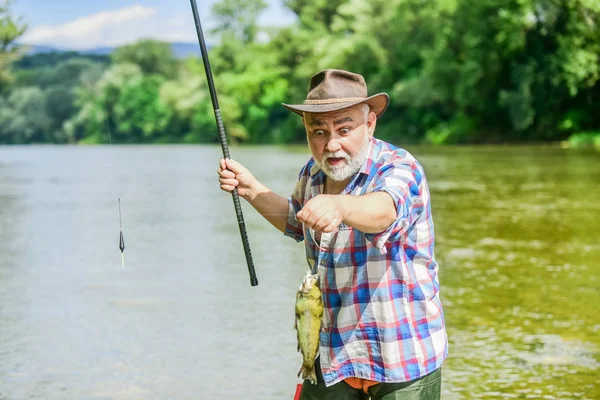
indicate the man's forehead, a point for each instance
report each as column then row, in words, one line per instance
column 338, row 116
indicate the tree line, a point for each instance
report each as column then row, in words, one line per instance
column 457, row 71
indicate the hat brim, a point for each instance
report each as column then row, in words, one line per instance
column 378, row 103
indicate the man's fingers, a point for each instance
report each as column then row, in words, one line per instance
column 333, row 225
column 229, row 182
column 318, row 221
column 225, row 173
column 320, row 214
column 227, row 188
column 325, row 221
column 234, row 166
column 307, row 212
column 306, row 217
column 229, row 171
column 227, row 164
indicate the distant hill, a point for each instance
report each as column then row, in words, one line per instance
column 180, row 49
column 52, row 58
column 184, row 50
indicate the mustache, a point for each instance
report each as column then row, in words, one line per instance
column 336, row 154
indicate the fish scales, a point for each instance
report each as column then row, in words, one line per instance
column 309, row 310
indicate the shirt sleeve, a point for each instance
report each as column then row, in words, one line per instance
column 401, row 181
column 293, row 227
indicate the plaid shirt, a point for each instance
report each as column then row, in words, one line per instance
column 383, row 318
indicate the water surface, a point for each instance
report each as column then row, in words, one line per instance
column 516, row 239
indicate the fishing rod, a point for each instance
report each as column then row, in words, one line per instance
column 223, row 139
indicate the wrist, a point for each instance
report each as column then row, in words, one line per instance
column 341, row 202
column 253, row 192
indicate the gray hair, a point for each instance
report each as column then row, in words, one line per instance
column 366, row 110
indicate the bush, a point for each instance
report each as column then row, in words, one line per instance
column 585, row 140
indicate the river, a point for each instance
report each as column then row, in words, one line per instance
column 516, row 239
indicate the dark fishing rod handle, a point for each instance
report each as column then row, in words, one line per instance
column 244, row 235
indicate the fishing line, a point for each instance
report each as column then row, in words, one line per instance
column 121, row 240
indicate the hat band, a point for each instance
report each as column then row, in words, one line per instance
column 333, row 101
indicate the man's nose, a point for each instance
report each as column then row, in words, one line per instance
column 333, row 145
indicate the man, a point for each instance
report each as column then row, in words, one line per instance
column 362, row 207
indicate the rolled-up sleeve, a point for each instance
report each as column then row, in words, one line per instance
column 401, row 181
column 293, row 227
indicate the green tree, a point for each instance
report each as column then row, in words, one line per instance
column 10, row 30
column 152, row 56
column 189, row 99
column 53, row 58
column 139, row 113
column 124, row 106
column 457, row 71
column 23, row 117
column 95, row 120
column 315, row 15
column 508, row 70
column 239, row 18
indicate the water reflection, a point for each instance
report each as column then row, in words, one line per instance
column 517, row 246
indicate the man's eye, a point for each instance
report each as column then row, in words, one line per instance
column 319, row 133
column 345, row 130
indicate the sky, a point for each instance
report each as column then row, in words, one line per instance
column 84, row 24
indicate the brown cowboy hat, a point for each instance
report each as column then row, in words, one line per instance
column 334, row 89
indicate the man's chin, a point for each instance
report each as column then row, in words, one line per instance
column 338, row 174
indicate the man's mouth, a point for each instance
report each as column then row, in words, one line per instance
column 336, row 160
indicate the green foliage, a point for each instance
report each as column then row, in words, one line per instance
column 152, row 56
column 459, row 130
column 139, row 112
column 585, row 140
column 53, row 58
column 238, row 17
column 128, row 106
column 96, row 118
column 315, row 15
column 10, row 30
column 457, row 71
column 53, row 100
column 23, row 117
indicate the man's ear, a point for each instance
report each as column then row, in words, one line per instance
column 371, row 123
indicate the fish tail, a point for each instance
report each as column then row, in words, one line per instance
column 308, row 373
column 312, row 376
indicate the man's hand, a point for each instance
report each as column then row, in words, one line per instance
column 232, row 175
column 323, row 213
column 369, row 213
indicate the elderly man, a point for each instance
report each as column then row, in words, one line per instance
column 362, row 206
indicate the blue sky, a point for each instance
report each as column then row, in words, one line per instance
column 85, row 24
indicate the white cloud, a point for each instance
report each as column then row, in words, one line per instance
column 130, row 24
column 112, row 28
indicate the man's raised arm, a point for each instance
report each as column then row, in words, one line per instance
column 273, row 207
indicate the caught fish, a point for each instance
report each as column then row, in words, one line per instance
column 309, row 310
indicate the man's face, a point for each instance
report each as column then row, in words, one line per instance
column 339, row 140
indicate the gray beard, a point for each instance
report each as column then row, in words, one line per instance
column 352, row 165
